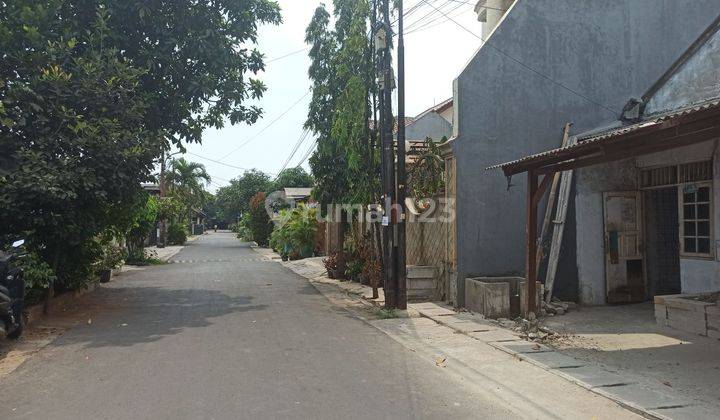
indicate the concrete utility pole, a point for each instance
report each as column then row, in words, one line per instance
column 388, row 163
column 162, row 237
column 401, row 269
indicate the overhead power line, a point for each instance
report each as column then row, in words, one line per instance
column 266, row 127
column 503, row 53
column 217, row 161
column 272, row 60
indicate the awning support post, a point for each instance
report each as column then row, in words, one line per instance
column 531, row 246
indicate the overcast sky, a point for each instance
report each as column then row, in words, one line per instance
column 436, row 52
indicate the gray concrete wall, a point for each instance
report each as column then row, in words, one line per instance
column 697, row 80
column 608, row 51
column 429, row 125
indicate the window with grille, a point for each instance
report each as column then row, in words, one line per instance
column 676, row 174
column 696, row 216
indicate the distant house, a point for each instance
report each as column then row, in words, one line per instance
column 298, row 195
column 547, row 63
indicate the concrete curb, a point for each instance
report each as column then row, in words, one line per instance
column 649, row 402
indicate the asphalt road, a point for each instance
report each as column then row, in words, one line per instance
column 224, row 334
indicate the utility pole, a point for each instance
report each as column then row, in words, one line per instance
column 162, row 237
column 388, row 161
column 401, row 269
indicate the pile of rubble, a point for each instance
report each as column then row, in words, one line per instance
column 556, row 307
column 532, row 330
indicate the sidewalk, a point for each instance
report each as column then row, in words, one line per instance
column 491, row 358
column 164, row 254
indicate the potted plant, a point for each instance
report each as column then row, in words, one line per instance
column 335, row 265
column 112, row 257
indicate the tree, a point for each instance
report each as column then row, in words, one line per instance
column 93, row 90
column 345, row 163
column 234, row 199
column 186, row 181
column 259, row 222
column 292, row 177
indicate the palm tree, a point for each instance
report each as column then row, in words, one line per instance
column 186, row 181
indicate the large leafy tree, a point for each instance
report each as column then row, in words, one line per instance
column 234, row 200
column 345, row 162
column 92, row 90
column 292, row 177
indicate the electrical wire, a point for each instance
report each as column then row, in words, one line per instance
column 272, row 60
column 267, row 126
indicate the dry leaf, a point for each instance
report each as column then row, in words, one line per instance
column 89, row 321
column 439, row 361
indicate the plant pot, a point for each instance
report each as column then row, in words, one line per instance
column 105, row 275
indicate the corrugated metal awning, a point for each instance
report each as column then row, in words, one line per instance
column 598, row 142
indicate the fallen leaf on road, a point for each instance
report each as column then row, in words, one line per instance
column 268, row 284
column 440, row 361
column 89, row 321
column 123, row 325
column 667, row 383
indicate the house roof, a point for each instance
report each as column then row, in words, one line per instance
column 442, row 106
column 596, row 141
column 298, row 193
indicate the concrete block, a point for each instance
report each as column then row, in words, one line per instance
column 640, row 396
column 420, row 283
column 514, row 283
column 422, row 272
column 688, row 321
column 551, row 359
column 681, row 302
column 661, row 314
column 490, row 299
column 591, row 376
column 519, row 347
column 494, row 336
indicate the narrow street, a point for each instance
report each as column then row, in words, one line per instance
column 223, row 333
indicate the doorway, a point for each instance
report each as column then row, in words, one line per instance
column 624, row 243
column 662, row 240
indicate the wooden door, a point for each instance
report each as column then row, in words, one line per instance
column 624, row 247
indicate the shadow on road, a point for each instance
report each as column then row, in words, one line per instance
column 131, row 315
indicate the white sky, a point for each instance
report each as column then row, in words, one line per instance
column 435, row 55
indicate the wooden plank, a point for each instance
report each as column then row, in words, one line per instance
column 531, row 245
column 551, row 203
column 558, row 231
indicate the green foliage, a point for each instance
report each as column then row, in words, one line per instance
column 259, row 222
column 177, row 234
column 354, row 269
column 425, row 177
column 186, row 180
column 296, row 232
column 234, row 200
column 92, row 90
column 143, row 223
column 292, row 177
column 38, row 277
column 346, row 162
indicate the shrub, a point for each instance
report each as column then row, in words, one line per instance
column 353, row 269
column 259, row 222
column 295, row 235
column 38, row 277
column 335, row 265
column 177, row 234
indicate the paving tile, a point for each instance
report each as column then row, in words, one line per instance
column 686, row 413
column 438, row 311
column 463, row 326
column 592, row 376
column 517, row 347
column 552, row 359
column 640, row 396
column 494, row 336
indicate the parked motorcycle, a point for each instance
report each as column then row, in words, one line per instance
column 12, row 293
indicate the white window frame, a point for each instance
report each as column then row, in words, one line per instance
column 711, row 221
